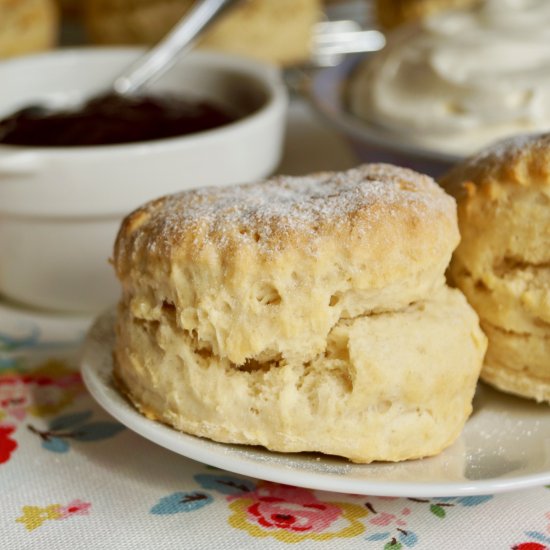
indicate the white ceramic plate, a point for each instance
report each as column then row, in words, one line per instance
column 505, row 445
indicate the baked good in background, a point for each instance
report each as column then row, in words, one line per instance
column 72, row 9
column 460, row 80
column 27, row 26
column 271, row 30
column 301, row 314
column 392, row 13
column 502, row 262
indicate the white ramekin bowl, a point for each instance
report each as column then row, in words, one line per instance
column 60, row 207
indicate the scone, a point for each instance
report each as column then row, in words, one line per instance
column 27, row 26
column 503, row 261
column 301, row 314
column 271, row 30
column 392, row 13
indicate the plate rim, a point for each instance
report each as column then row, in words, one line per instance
column 195, row 447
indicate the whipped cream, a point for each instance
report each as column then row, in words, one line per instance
column 461, row 79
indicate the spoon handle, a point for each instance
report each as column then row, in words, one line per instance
column 164, row 54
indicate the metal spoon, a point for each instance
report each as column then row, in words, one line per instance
column 163, row 55
column 155, row 62
column 330, row 41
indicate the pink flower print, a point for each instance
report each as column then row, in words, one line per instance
column 14, row 397
column 52, row 392
column 293, row 514
column 291, row 508
column 383, row 519
column 42, row 391
column 75, row 508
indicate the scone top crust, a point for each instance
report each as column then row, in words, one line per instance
column 364, row 204
column 501, row 264
column 518, row 161
column 264, row 271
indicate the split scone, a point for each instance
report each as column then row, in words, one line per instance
column 503, row 261
column 301, row 314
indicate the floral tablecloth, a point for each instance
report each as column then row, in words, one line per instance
column 71, row 477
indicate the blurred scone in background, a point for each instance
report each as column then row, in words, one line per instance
column 27, row 26
column 271, row 30
column 71, row 9
column 392, row 13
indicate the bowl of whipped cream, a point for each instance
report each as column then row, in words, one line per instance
column 445, row 87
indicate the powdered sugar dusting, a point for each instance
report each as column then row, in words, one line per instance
column 510, row 147
column 508, row 161
column 269, row 211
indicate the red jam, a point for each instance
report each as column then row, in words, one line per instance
column 112, row 119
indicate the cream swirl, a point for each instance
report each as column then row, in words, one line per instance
column 461, row 79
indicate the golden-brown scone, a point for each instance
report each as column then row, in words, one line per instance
column 392, row 13
column 389, row 386
column 272, row 30
column 503, row 261
column 302, row 314
column 287, row 258
column 511, row 356
column 27, row 26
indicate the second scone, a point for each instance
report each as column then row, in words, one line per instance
column 502, row 262
column 302, row 314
